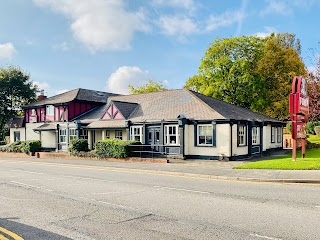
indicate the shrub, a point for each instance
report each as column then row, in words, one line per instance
column 78, row 145
column 13, row 147
column 113, row 148
column 31, row 146
column 311, row 126
column 89, row 154
column 2, row 143
column 317, row 130
column 288, row 127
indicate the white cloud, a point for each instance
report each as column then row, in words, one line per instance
column 61, row 46
column 61, row 91
column 7, row 50
column 175, row 25
column 286, row 7
column 278, row 7
column 119, row 80
column 224, row 20
column 266, row 33
column 41, row 85
column 100, row 24
column 187, row 4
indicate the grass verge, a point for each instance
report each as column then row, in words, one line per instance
column 310, row 162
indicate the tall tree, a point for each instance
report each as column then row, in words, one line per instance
column 251, row 72
column 16, row 90
column 276, row 68
column 313, row 87
column 227, row 70
column 151, row 86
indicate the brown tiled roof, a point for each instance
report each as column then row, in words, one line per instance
column 76, row 94
column 46, row 127
column 168, row 105
column 231, row 111
column 103, row 124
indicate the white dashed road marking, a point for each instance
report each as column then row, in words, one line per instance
column 31, row 186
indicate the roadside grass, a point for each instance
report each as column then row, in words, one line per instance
column 310, row 162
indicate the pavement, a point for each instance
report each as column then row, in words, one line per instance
column 222, row 170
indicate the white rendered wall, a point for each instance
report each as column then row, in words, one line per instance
column 238, row 150
column 22, row 134
column 222, row 142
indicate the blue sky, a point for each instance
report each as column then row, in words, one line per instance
column 108, row 44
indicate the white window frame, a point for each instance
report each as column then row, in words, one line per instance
column 168, row 134
column 83, row 133
column 273, row 134
column 136, row 131
column 63, row 134
column 279, row 134
column 242, row 135
column 72, row 134
column 255, row 135
column 108, row 135
column 118, row 136
column 49, row 110
column 205, row 136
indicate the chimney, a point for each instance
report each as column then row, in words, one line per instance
column 41, row 96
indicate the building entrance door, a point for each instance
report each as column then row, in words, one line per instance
column 154, row 138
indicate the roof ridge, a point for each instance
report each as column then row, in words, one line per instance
column 204, row 103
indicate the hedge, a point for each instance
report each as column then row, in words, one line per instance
column 113, row 148
column 317, row 130
column 78, row 145
column 31, row 146
column 22, row 146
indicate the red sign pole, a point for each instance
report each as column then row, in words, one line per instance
column 299, row 110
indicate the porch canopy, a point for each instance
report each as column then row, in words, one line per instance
column 46, row 127
column 107, row 124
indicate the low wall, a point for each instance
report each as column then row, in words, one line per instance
column 63, row 155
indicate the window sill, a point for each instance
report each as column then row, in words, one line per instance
column 199, row 145
column 242, row 145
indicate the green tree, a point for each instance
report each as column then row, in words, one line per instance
column 276, row 69
column 251, row 72
column 151, row 86
column 227, row 70
column 16, row 90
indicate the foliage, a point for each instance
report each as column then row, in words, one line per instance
column 314, row 139
column 88, row 154
column 15, row 91
column 78, row 145
column 313, row 88
column 31, row 146
column 317, row 130
column 310, row 127
column 310, row 162
column 277, row 67
column 2, row 143
column 289, row 127
column 151, row 86
column 113, row 148
column 13, row 147
column 250, row 72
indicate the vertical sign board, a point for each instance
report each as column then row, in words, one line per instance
column 299, row 110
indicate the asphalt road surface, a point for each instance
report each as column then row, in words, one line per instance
column 77, row 200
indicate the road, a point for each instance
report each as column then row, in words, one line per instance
column 78, row 200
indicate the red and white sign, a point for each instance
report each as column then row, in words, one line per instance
column 299, row 110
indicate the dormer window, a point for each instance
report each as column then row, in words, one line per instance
column 50, row 110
